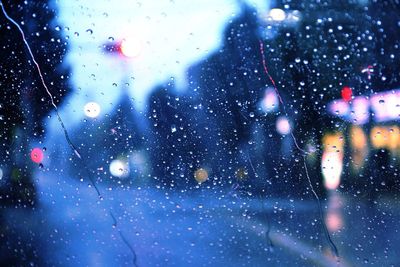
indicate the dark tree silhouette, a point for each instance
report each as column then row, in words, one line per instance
column 24, row 101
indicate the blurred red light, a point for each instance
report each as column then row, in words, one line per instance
column 347, row 93
column 37, row 155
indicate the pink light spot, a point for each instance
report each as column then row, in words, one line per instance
column 347, row 93
column 37, row 155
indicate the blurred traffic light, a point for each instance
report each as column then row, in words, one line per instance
column 127, row 47
column 347, row 93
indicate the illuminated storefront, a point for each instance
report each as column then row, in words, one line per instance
column 372, row 125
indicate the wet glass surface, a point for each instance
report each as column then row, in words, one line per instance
column 203, row 133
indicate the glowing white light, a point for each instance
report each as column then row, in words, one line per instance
column 1, row 174
column 332, row 166
column 386, row 105
column 270, row 101
column 92, row 109
column 360, row 110
column 119, row 168
column 283, row 125
column 277, row 14
column 131, row 47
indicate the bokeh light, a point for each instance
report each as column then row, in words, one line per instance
column 347, row 93
column 270, row 101
column 358, row 138
column 37, row 155
column 332, row 160
column 277, row 14
column 201, row 175
column 332, row 166
column 334, row 221
column 379, row 137
column 92, row 110
column 283, row 125
column 119, row 168
column 131, row 47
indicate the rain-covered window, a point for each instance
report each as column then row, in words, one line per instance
column 199, row 133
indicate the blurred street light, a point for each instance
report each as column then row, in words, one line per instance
column 119, row 168
column 283, row 125
column 92, row 110
column 277, row 14
column 130, row 47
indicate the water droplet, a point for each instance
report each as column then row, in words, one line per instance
column 381, row 101
column 90, row 31
column 173, row 129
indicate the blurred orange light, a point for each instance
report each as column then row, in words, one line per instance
column 358, row 137
column 379, row 137
column 394, row 137
column 333, row 142
column 201, row 175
